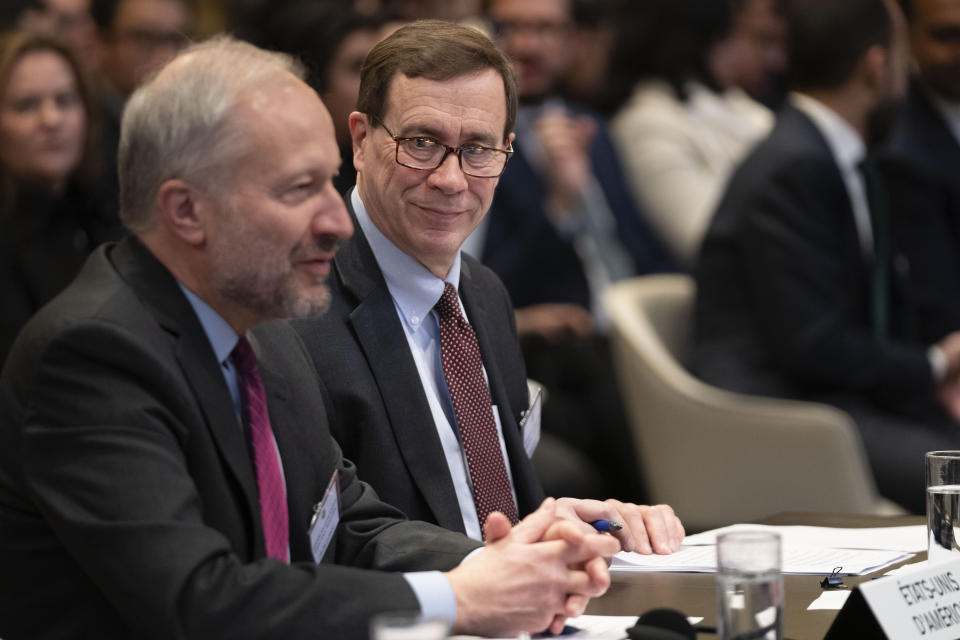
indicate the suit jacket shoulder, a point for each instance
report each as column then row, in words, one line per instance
column 783, row 289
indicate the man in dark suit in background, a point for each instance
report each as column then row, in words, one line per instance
column 164, row 471
column 799, row 294
column 431, row 136
column 921, row 165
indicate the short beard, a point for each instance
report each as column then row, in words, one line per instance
column 269, row 287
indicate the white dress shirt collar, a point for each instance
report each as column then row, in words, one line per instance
column 848, row 150
column 844, row 141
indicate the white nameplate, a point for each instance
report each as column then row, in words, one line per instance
column 922, row 603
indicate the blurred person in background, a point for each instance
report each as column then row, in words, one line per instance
column 802, row 291
column 51, row 213
column 136, row 38
column 594, row 34
column 562, row 227
column 332, row 42
column 921, row 165
column 450, row 10
column 70, row 21
column 757, row 60
column 685, row 126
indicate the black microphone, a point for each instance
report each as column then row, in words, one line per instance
column 662, row 624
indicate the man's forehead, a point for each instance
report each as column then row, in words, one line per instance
column 405, row 92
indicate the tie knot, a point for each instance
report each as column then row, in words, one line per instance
column 448, row 306
column 243, row 357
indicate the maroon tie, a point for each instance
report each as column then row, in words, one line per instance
column 273, row 494
column 463, row 370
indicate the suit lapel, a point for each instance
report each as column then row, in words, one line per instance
column 157, row 287
column 384, row 344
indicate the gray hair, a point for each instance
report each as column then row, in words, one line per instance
column 178, row 125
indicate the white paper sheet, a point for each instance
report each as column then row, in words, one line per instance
column 592, row 628
column 830, row 600
column 911, row 538
column 797, row 559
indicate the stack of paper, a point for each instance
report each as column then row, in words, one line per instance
column 806, row 550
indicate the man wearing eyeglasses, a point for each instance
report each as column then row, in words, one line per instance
column 418, row 354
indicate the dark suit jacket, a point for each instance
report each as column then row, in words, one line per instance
column 535, row 262
column 44, row 241
column 921, row 165
column 128, row 501
column 379, row 411
column 784, row 291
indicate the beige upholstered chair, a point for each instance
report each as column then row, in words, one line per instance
column 719, row 457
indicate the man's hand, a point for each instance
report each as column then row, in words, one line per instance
column 645, row 529
column 554, row 321
column 530, row 577
column 950, row 347
column 565, row 142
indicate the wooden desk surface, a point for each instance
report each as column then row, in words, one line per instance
column 694, row 593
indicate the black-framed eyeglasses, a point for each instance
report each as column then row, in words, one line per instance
column 426, row 154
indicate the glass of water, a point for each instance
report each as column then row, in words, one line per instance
column 406, row 626
column 943, row 505
column 749, row 586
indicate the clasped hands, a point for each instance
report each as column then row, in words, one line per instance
column 533, row 576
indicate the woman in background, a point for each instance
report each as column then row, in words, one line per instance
column 685, row 125
column 50, row 217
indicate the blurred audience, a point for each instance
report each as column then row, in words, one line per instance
column 452, row 10
column 51, row 215
column 921, row 165
column 563, row 226
column 757, row 51
column 332, row 41
column 686, row 124
column 136, row 38
column 800, row 292
column 68, row 20
column 594, row 32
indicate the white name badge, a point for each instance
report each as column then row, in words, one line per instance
column 530, row 423
column 920, row 603
column 326, row 517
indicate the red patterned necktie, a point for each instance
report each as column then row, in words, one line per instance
column 463, row 370
column 273, row 494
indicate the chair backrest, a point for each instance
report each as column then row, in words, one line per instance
column 719, row 457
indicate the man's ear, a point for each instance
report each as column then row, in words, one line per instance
column 184, row 210
column 359, row 130
column 873, row 66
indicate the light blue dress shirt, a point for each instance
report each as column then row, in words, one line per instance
column 431, row 588
column 415, row 291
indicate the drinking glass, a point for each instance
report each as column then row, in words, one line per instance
column 943, row 505
column 749, row 586
column 406, row 626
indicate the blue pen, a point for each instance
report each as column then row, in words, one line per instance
column 607, row 526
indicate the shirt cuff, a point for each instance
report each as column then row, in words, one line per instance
column 938, row 363
column 436, row 597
